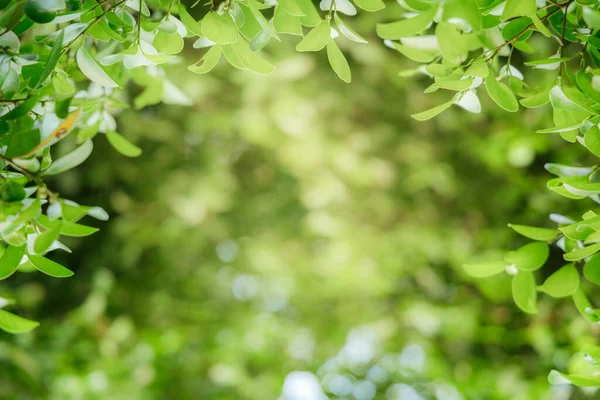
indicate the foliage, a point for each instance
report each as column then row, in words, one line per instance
column 495, row 30
column 71, row 66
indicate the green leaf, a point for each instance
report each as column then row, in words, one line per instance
column 90, row 68
column 317, row 38
column 560, row 129
column 348, row 32
column 591, row 270
column 22, row 143
column 417, row 55
column 26, row 215
column 50, row 267
column 67, row 228
column 454, row 84
column 484, row 269
column 560, row 101
column 370, row 5
column 311, row 15
column 251, row 60
column 584, row 306
column 432, row 112
column 286, row 23
column 168, row 43
column 12, row 323
column 539, row 25
column 592, row 140
column 501, row 94
column 451, row 43
column 45, row 240
column 338, row 62
column 556, row 377
column 563, row 282
column 219, row 28
column 478, row 69
column 232, row 57
column 52, row 61
column 535, row 233
column 10, row 260
column 407, row 27
column 471, row 12
column 590, row 85
column 71, row 160
column 529, row 257
column 21, row 110
column 10, row 86
column 578, row 254
column 190, row 23
column 537, row 99
column 524, row 291
column 123, row 145
column 208, row 62
column 519, row 8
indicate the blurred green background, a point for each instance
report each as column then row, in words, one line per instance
column 293, row 237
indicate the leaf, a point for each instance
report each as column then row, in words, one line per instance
column 52, row 61
column 472, row 14
column 501, row 94
column 90, row 68
column 535, row 233
column 26, row 215
column 578, row 254
column 407, row 27
column 67, row 228
column 22, row 143
column 338, row 62
column 190, row 23
column 370, row 5
column 317, row 38
column 10, row 260
column 478, row 69
column 219, row 28
column 451, row 43
column 560, row 101
column 560, row 129
column 556, row 377
column 529, row 257
column 590, row 85
column 285, row 23
column 414, row 54
column 10, row 86
column 524, row 292
column 539, row 25
column 432, row 112
column 45, row 240
column 123, row 145
column 591, row 270
column 584, row 306
column 12, row 323
column 485, row 269
column 518, row 8
column 311, row 16
column 348, row 32
column 592, row 140
column 21, row 110
column 50, row 267
column 251, row 60
column 536, row 100
column 71, row 160
column 168, row 43
column 563, row 282
column 208, row 62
